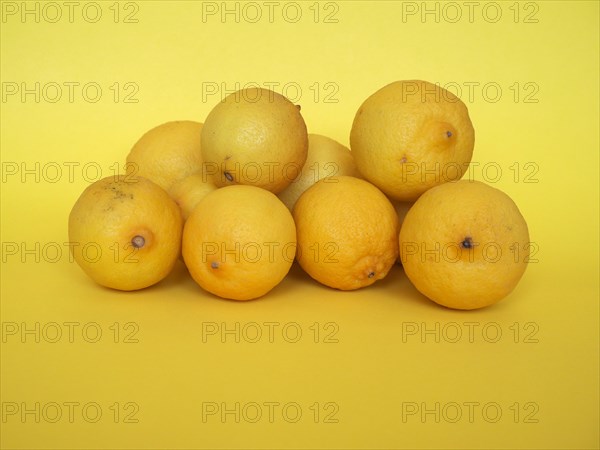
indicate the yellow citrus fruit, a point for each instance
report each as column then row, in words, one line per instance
column 347, row 232
column 167, row 153
column 255, row 137
column 325, row 158
column 125, row 232
column 188, row 191
column 465, row 245
column 410, row 136
column 239, row 242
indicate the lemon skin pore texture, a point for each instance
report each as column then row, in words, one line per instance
column 126, row 232
column 347, row 232
column 410, row 136
column 457, row 245
column 239, row 242
column 255, row 137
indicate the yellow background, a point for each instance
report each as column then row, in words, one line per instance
column 376, row 369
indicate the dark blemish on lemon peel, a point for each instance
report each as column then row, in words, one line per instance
column 403, row 160
column 138, row 241
column 227, row 157
column 371, row 274
column 214, row 265
column 299, row 107
column 228, row 176
column 449, row 133
column 467, row 243
column 119, row 194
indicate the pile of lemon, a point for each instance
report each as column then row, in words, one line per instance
column 247, row 193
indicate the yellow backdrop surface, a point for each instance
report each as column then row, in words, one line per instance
column 306, row 366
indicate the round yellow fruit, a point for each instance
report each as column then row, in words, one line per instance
column 167, row 153
column 125, row 232
column 188, row 191
column 255, row 137
column 239, row 242
column 347, row 232
column 410, row 136
column 326, row 158
column 465, row 245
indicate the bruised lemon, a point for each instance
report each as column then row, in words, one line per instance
column 465, row 245
column 239, row 242
column 347, row 232
column 125, row 232
column 255, row 137
column 410, row 136
column 167, row 153
column 326, row 158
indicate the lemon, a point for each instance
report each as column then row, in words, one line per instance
column 465, row 244
column 125, row 232
column 347, row 232
column 188, row 191
column 410, row 136
column 239, row 242
column 325, row 158
column 255, row 137
column 167, row 153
